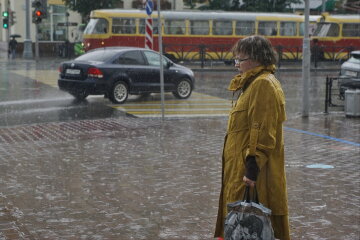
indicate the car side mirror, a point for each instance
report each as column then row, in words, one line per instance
column 169, row 64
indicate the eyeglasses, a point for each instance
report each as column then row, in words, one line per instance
column 238, row 61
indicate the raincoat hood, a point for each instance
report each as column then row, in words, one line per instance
column 242, row 80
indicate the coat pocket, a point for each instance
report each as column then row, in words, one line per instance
column 238, row 120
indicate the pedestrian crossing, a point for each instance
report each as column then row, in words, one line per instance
column 48, row 77
column 198, row 105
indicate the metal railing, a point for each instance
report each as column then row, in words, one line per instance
column 330, row 89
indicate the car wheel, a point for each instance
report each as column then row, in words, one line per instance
column 119, row 92
column 183, row 89
column 80, row 95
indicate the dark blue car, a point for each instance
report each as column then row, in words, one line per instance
column 117, row 72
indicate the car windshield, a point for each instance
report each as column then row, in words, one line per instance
column 99, row 56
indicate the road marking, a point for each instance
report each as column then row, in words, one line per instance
column 322, row 136
column 198, row 105
column 48, row 77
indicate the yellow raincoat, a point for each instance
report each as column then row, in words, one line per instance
column 255, row 128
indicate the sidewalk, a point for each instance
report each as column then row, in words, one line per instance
column 130, row 178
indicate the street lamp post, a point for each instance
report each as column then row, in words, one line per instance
column 161, row 62
column 306, row 62
column 27, row 53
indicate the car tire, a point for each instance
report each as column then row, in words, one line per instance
column 119, row 92
column 183, row 89
column 80, row 95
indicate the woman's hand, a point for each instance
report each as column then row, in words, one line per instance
column 249, row 182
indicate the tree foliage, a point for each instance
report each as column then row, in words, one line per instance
column 267, row 5
column 246, row 5
column 84, row 7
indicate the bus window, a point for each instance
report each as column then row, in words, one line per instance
column 123, row 26
column 327, row 30
column 288, row 28
column 199, row 27
column 175, row 27
column 312, row 27
column 267, row 28
column 142, row 26
column 222, row 27
column 351, row 30
column 245, row 28
column 97, row 26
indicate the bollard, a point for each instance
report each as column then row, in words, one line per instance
column 326, row 94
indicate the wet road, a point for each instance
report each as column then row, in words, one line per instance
column 89, row 171
column 29, row 94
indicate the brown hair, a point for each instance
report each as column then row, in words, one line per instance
column 257, row 48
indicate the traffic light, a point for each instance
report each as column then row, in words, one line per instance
column 40, row 11
column 5, row 15
column 12, row 18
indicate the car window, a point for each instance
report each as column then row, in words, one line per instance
column 99, row 56
column 154, row 58
column 131, row 58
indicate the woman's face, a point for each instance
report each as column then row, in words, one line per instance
column 244, row 63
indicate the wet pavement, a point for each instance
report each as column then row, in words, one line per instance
column 122, row 177
column 131, row 178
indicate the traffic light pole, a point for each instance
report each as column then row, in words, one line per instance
column 7, row 30
column 37, row 41
column 27, row 54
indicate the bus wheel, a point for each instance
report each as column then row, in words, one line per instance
column 119, row 92
column 183, row 89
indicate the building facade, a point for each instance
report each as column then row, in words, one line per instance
column 61, row 23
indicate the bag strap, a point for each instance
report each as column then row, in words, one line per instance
column 255, row 197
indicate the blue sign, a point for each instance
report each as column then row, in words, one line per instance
column 149, row 7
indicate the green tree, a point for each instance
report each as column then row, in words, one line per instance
column 84, row 7
column 267, row 5
column 192, row 3
column 218, row 5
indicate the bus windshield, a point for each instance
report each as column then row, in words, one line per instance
column 327, row 30
column 97, row 26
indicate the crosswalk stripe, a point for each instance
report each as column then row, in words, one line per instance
column 198, row 105
column 174, row 106
column 48, row 77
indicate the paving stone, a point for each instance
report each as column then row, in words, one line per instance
column 128, row 178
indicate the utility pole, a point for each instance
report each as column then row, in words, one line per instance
column 306, row 62
column 27, row 53
column 161, row 62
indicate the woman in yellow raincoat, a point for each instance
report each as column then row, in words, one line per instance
column 254, row 146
